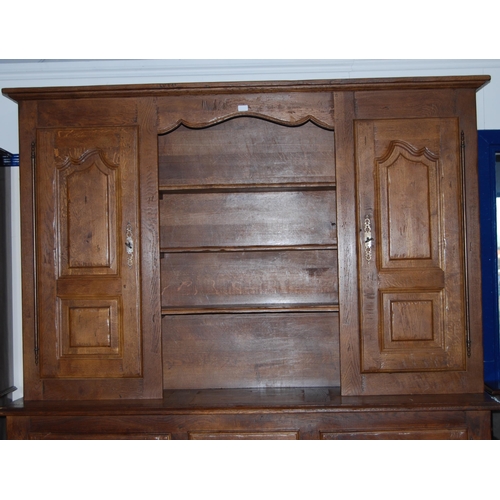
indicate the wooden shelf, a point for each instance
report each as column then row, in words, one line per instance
column 243, row 309
column 256, row 248
column 265, row 399
column 256, row 413
column 251, row 188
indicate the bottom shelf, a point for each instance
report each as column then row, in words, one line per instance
column 276, row 413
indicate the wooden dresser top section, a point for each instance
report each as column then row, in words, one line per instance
column 198, row 105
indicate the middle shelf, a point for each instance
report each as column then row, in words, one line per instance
column 228, row 280
column 248, row 219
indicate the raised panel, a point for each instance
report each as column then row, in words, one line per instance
column 409, row 206
column 411, row 320
column 87, row 217
column 89, row 319
column 90, row 327
column 411, row 334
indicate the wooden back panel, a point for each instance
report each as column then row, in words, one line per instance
column 229, row 279
column 246, row 151
column 248, row 219
column 208, row 351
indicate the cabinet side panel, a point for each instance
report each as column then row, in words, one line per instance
column 27, row 135
column 466, row 109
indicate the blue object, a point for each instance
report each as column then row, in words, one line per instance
column 488, row 148
column 8, row 159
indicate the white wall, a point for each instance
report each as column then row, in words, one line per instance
column 38, row 73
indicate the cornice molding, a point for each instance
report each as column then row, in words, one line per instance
column 116, row 71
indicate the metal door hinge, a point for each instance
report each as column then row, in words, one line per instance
column 468, row 341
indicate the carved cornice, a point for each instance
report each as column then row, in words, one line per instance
column 248, row 87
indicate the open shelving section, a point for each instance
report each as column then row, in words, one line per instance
column 248, row 239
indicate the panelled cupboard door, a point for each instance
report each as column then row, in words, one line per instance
column 411, row 264
column 87, row 205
